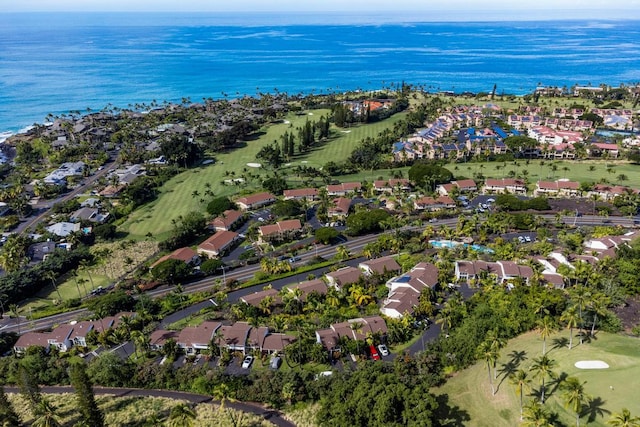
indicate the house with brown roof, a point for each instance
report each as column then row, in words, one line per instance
column 256, row 298
column 78, row 336
column 381, row 266
column 608, row 192
column 186, row 255
column 194, row 339
column 228, row 221
column 218, row 244
column 255, row 201
column 309, row 194
column 354, row 329
column 504, row 185
column 31, row 339
column 234, row 337
column 344, row 188
column 462, row 186
column 276, row 342
column 561, row 187
column 60, row 337
column 390, row 185
column 434, row 204
column 280, row 231
column 400, row 302
column 159, row 338
column 422, row 275
column 307, row 287
column 343, row 277
column 340, row 208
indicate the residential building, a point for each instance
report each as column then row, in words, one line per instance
column 186, row 255
column 502, row 272
column 218, row 244
column 381, row 266
column 159, row 338
column 354, row 329
column 559, row 188
column 234, row 337
column 434, row 204
column 194, row 339
column 229, row 220
column 505, row 185
column 281, row 230
column 309, row 194
column 340, row 208
column 343, row 189
column 63, row 229
column 255, row 201
column 390, row 185
column 343, row 277
column 256, row 298
column 309, row 286
column 462, row 186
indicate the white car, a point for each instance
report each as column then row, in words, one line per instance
column 384, row 351
column 246, row 363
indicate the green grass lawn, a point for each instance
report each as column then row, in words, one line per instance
column 470, row 389
column 543, row 170
column 177, row 196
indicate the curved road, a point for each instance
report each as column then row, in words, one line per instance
column 273, row 416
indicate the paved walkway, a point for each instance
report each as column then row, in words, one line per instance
column 273, row 416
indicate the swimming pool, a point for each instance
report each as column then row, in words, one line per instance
column 450, row 244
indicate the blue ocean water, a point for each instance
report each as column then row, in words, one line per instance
column 53, row 63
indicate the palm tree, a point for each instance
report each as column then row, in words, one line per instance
column 182, row 415
column 624, row 419
column 570, row 317
column 545, row 327
column 598, row 307
column 84, row 265
column 542, row 368
column 496, row 343
column 342, row 253
column 520, row 380
column 51, row 275
column 574, row 396
column 486, row 352
column 46, row 415
column 580, row 296
column 536, row 415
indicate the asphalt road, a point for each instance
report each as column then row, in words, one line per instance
column 273, row 416
column 244, row 273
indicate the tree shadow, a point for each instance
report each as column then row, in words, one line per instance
column 553, row 385
column 506, row 370
column 560, row 342
column 450, row 416
column 517, row 357
column 595, row 408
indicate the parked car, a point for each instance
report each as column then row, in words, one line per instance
column 275, row 362
column 384, row 351
column 246, row 363
column 294, row 259
column 374, row 352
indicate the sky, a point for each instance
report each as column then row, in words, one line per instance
column 608, row 9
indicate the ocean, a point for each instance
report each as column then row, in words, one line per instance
column 55, row 63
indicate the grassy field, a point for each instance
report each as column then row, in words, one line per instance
column 178, row 198
column 470, row 389
column 139, row 411
column 552, row 170
column 123, row 256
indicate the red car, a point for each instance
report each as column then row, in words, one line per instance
column 374, row 353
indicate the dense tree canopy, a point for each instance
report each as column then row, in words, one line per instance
column 366, row 221
column 375, row 395
column 429, row 174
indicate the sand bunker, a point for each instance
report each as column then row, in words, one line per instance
column 254, row 165
column 591, row 364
